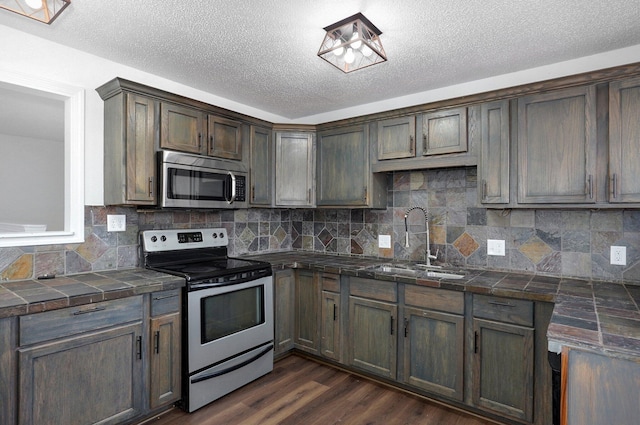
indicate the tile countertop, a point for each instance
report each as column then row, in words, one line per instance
column 37, row 295
column 595, row 315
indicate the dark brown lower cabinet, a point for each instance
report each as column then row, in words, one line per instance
column 87, row 379
column 503, row 368
column 434, row 351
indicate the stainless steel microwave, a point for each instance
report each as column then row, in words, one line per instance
column 195, row 181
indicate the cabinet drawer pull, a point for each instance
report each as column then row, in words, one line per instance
column 156, row 342
column 93, row 310
column 501, row 304
column 164, row 297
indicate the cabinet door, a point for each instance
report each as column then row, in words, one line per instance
column 140, row 151
column 557, row 147
column 307, row 319
column 343, row 167
column 294, row 169
column 284, row 288
column 8, row 367
column 434, row 351
column 88, row 379
column 373, row 336
column 503, row 368
column 330, row 332
column 444, row 131
column 164, row 352
column 397, row 138
column 261, row 166
column 225, row 138
column 181, row 128
column 494, row 153
column 624, row 141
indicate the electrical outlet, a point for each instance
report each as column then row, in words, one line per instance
column 384, row 241
column 619, row 255
column 116, row 223
column 495, row 247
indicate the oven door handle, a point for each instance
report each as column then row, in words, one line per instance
column 232, row 368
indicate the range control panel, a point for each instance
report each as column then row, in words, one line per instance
column 175, row 239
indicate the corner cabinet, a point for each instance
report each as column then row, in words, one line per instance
column 557, row 147
column 130, row 140
column 624, row 141
column 295, row 169
column 343, row 171
column 260, row 170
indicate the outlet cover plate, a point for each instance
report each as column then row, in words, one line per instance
column 384, row 241
column 495, row 247
column 619, row 255
column 116, row 222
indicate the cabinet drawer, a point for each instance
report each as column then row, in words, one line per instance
column 331, row 282
column 434, row 299
column 165, row 302
column 519, row 312
column 374, row 289
column 39, row 327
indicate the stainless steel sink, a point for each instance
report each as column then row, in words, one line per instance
column 407, row 270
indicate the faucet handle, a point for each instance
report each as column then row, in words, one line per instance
column 433, row 257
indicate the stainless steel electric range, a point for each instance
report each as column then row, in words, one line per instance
column 227, row 311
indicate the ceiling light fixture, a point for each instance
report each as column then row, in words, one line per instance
column 352, row 44
column 41, row 10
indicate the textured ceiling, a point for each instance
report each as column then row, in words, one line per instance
column 264, row 53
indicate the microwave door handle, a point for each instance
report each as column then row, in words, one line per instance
column 232, row 179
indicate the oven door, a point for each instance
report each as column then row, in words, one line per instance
column 226, row 321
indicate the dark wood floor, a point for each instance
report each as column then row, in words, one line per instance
column 302, row 391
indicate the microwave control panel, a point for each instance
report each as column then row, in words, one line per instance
column 241, row 188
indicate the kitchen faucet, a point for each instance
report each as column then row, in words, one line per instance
column 428, row 256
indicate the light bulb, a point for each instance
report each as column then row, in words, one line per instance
column 340, row 50
column 366, row 51
column 349, row 57
column 356, row 44
column 34, row 4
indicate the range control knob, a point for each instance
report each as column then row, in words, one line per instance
column 221, row 235
column 215, row 236
column 163, row 238
column 153, row 239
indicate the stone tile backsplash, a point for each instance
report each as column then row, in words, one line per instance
column 550, row 241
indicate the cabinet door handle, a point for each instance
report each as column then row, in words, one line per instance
column 365, row 195
column 93, row 310
column 391, row 325
column 484, row 189
column 199, row 140
column 614, row 182
column 164, row 297
column 211, row 143
column 253, row 193
column 150, row 186
column 139, row 348
column 309, row 195
column 335, row 313
column 590, row 180
column 424, row 143
column 156, row 342
column 411, row 143
column 502, row 304
column 475, row 342
column 406, row 327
